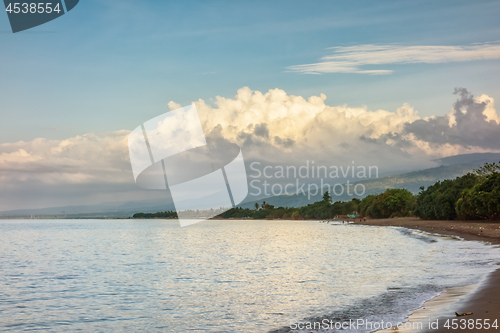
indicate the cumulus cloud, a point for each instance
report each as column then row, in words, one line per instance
column 271, row 127
column 278, row 128
column 471, row 126
column 354, row 59
column 81, row 159
column 252, row 119
column 85, row 169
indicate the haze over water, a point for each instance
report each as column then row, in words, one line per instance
column 220, row 276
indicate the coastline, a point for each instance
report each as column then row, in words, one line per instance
column 483, row 301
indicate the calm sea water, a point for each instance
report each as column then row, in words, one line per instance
column 220, row 276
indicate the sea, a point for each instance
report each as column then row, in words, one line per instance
column 223, row 276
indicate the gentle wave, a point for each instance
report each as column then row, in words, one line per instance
column 220, row 276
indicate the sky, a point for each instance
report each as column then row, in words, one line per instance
column 281, row 79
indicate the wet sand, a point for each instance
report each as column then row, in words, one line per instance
column 484, row 302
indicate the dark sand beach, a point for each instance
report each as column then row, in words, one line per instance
column 484, row 302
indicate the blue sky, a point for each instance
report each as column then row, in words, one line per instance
column 71, row 90
column 107, row 65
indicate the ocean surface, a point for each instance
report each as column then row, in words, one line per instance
column 221, row 276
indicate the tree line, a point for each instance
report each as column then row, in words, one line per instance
column 158, row 215
column 475, row 195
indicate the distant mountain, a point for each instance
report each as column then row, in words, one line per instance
column 103, row 210
column 450, row 168
column 478, row 159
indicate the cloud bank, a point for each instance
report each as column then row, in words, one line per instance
column 273, row 124
column 271, row 127
column 471, row 126
column 356, row 59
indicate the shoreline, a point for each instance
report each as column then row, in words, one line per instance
column 483, row 301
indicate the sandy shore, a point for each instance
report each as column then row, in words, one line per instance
column 484, row 302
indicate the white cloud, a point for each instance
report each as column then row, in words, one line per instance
column 275, row 127
column 471, row 126
column 296, row 119
column 272, row 127
column 489, row 112
column 89, row 158
column 354, row 59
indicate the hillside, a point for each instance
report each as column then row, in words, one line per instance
column 450, row 168
column 411, row 181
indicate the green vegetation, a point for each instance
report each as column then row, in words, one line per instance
column 391, row 203
column 482, row 201
column 438, row 201
column 158, row 215
column 320, row 210
column 472, row 196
